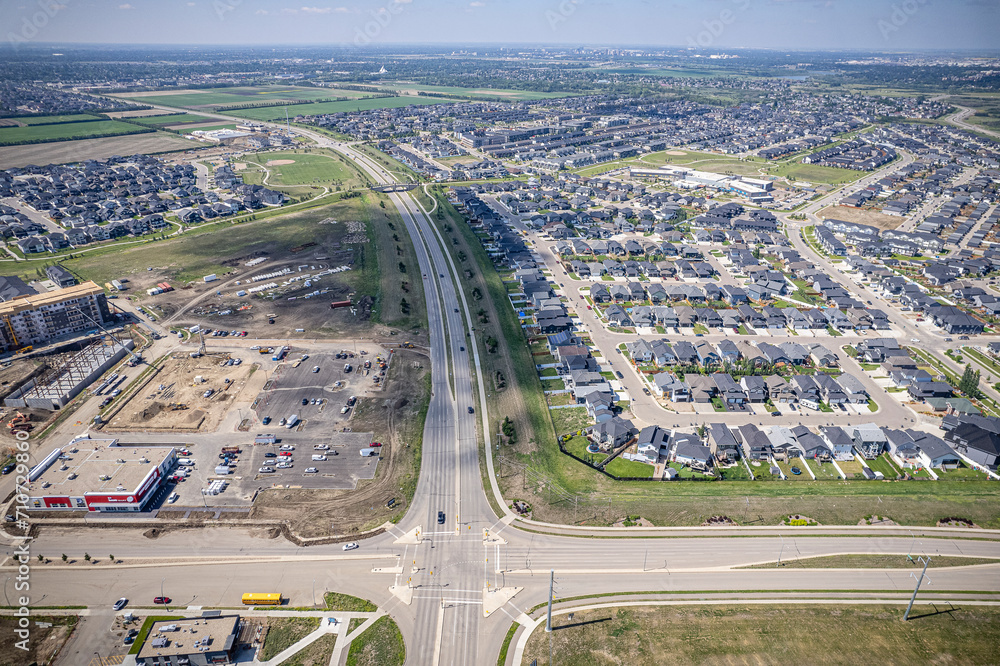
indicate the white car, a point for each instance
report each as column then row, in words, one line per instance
column 315, row 368
column 173, row 497
column 266, row 470
column 284, row 465
column 322, row 447
column 351, row 546
column 286, row 447
column 311, row 470
column 255, row 347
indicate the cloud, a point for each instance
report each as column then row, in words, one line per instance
column 126, row 6
column 191, row 4
column 262, row 12
column 316, row 10
column 477, row 3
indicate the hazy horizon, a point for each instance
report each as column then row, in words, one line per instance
column 710, row 25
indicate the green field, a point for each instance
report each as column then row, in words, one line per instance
column 174, row 119
column 938, row 633
column 48, row 120
column 10, row 136
column 815, row 173
column 481, row 92
column 308, row 169
column 381, row 644
column 278, row 112
column 212, row 97
column 284, row 632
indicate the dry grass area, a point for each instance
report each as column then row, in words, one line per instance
column 316, row 653
column 653, row 635
column 283, row 632
column 396, row 418
column 861, row 216
column 61, row 152
column 865, row 561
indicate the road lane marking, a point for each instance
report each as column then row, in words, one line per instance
column 437, row 639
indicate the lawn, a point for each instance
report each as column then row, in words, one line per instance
column 559, row 399
column 553, row 384
column 868, row 561
column 570, row 419
column 212, row 97
column 10, row 136
column 379, row 645
column 815, row 173
column 282, row 633
column 621, row 467
column 48, row 120
column 823, row 470
column 780, row 634
column 172, row 119
column 319, row 168
column 884, row 465
column 962, row 473
column 345, row 603
column 577, row 445
column 316, row 653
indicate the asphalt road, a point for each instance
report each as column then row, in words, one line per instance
column 439, row 582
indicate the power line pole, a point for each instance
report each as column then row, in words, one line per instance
column 923, row 573
column 552, row 581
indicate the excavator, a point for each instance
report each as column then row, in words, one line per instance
column 20, row 423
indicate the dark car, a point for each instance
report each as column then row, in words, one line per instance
column 161, row 600
column 461, row 349
column 456, row 309
column 266, row 420
column 8, row 468
column 270, row 454
column 440, row 517
column 646, row 391
column 471, row 410
column 619, row 374
column 305, row 401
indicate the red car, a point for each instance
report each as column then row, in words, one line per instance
column 285, row 454
column 178, row 479
column 376, row 443
column 161, row 600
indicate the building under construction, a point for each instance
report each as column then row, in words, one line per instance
column 54, row 388
column 40, row 319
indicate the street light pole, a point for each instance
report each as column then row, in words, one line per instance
column 161, row 594
column 548, row 619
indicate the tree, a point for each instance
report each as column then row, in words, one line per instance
column 969, row 383
column 111, row 557
column 41, row 558
column 508, row 430
column 64, row 558
column 86, row 556
column 402, row 267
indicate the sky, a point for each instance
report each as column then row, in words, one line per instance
column 711, row 25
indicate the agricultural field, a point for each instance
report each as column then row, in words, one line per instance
column 47, row 120
column 413, row 89
column 11, row 136
column 278, row 112
column 172, row 119
column 62, row 152
column 209, row 98
column 939, row 633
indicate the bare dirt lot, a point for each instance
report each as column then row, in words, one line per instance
column 861, row 216
column 183, row 381
column 61, row 152
column 47, row 636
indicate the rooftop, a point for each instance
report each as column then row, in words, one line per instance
column 95, row 466
column 50, row 298
column 220, row 633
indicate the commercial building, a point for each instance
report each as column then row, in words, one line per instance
column 42, row 318
column 54, row 388
column 191, row 642
column 99, row 475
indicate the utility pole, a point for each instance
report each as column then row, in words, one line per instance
column 923, row 573
column 552, row 580
column 780, row 550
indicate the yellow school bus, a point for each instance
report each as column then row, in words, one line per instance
column 262, row 599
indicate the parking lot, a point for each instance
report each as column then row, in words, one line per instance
column 320, row 422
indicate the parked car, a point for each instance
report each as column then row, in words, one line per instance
column 266, row 470
column 375, row 444
column 305, row 401
column 311, row 470
column 8, row 468
column 619, row 374
column 266, row 420
column 270, row 454
column 161, row 600
column 315, row 368
column 120, row 604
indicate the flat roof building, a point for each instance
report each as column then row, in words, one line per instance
column 41, row 318
column 191, row 642
column 99, row 475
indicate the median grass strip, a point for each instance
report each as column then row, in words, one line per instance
column 772, row 634
column 380, row 645
column 284, row 632
column 866, row 561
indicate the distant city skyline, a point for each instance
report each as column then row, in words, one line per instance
column 708, row 25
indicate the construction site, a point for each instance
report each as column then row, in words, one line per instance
column 183, row 392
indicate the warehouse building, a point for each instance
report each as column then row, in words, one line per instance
column 191, row 642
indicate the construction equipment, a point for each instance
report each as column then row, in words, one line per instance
column 176, row 406
column 18, row 419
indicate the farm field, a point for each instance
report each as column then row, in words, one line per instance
column 278, row 112
column 209, row 98
column 172, row 119
column 786, row 634
column 404, row 86
column 61, row 152
column 48, row 120
column 10, row 136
